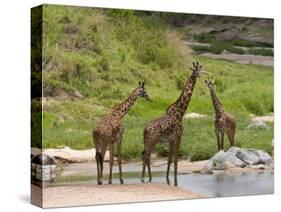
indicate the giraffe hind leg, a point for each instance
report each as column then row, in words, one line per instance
column 143, row 167
column 231, row 135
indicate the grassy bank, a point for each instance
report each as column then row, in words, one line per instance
column 243, row 89
column 102, row 54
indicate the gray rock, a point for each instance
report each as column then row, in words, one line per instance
column 233, row 159
column 236, row 157
column 258, row 124
column 215, row 161
column 248, row 157
column 263, row 156
column 43, row 168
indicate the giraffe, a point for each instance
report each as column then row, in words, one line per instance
column 224, row 122
column 109, row 130
column 169, row 127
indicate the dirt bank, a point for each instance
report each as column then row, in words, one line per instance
column 244, row 59
column 108, row 194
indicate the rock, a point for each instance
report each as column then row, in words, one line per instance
column 268, row 118
column 77, row 94
column 258, row 124
column 43, row 168
column 43, row 159
column 230, row 157
column 74, row 156
column 238, row 158
column 259, row 166
column 215, row 163
column 248, row 157
column 194, row 116
column 264, row 157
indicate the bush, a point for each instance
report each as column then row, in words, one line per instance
column 205, row 38
column 263, row 52
column 200, row 48
column 235, row 50
column 248, row 43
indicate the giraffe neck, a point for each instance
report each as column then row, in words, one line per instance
column 124, row 107
column 179, row 107
column 216, row 103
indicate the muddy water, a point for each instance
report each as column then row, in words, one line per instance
column 215, row 185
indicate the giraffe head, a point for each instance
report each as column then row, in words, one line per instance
column 141, row 91
column 209, row 83
column 196, row 69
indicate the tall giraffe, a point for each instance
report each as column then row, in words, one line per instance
column 224, row 122
column 109, row 130
column 169, row 127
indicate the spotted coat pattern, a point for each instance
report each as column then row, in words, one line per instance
column 224, row 122
column 109, row 130
column 169, row 127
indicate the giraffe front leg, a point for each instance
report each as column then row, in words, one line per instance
column 169, row 162
column 218, row 139
column 98, row 161
column 222, row 140
column 176, row 154
column 149, row 169
column 119, row 161
column 111, row 150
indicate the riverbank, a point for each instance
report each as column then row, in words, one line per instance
column 109, row 194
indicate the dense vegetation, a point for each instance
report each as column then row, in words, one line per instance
column 102, row 54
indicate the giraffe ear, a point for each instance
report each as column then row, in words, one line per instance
column 142, row 84
column 139, row 83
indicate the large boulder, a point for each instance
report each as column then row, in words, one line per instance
column 43, row 168
column 236, row 157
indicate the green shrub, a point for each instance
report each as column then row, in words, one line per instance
column 200, row 48
column 263, row 52
column 205, row 38
column 235, row 50
column 250, row 44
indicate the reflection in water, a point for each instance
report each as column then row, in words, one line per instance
column 221, row 185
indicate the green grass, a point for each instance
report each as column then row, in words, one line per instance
column 70, row 123
column 103, row 54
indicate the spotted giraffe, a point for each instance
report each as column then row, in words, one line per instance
column 169, row 127
column 109, row 130
column 224, row 122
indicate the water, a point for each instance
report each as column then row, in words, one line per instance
column 220, row 185
column 214, row 185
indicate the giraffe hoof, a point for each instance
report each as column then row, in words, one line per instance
column 99, row 183
column 142, row 180
column 121, row 181
column 109, row 182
